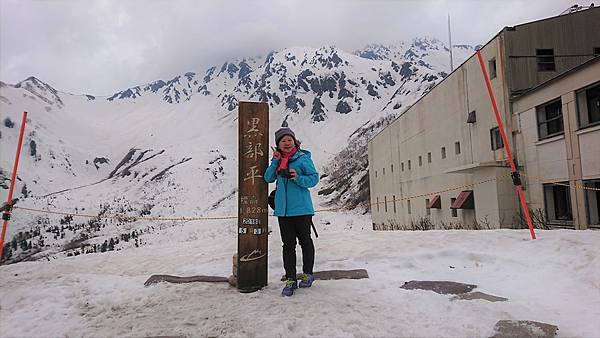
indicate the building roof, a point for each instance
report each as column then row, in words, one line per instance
column 557, row 77
column 506, row 28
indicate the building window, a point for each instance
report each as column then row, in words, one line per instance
column 588, row 105
column 492, row 68
column 377, row 204
column 550, row 119
column 453, row 211
column 427, row 210
column 545, row 60
column 394, row 201
column 596, row 51
column 408, row 164
column 592, row 202
column 385, row 203
column 420, row 161
column 558, row 203
column 496, row 138
column 375, row 173
column 443, row 153
column 408, row 206
column 472, row 117
column 457, row 148
column 392, row 168
column 402, row 166
column 383, row 171
column 428, row 157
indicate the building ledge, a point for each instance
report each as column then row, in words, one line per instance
column 550, row 139
column 472, row 167
column 588, row 129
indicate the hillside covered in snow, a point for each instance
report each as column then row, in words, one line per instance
column 168, row 148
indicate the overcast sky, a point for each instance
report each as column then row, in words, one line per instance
column 101, row 47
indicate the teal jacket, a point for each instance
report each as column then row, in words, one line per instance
column 292, row 197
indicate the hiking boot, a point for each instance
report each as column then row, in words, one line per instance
column 307, row 280
column 289, row 287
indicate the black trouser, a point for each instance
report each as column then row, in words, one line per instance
column 292, row 228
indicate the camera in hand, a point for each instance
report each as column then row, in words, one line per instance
column 285, row 173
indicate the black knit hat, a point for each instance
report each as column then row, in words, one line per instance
column 281, row 132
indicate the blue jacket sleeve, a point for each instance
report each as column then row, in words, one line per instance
column 309, row 177
column 270, row 176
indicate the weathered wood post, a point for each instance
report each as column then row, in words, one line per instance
column 252, row 196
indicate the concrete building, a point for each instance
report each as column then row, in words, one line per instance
column 442, row 162
column 557, row 133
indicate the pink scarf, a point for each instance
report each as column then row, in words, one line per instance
column 285, row 157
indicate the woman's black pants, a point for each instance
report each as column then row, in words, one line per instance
column 291, row 228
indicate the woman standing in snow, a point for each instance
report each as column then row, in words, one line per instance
column 295, row 173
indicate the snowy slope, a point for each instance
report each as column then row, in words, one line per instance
column 169, row 148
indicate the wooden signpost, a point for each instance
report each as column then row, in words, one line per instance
column 252, row 196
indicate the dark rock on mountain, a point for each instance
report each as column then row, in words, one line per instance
column 409, row 54
column 230, row 101
column 8, row 123
column 245, row 69
column 371, row 90
column 294, row 103
column 317, row 112
column 32, row 148
column 100, row 160
column 209, row 73
column 343, row 107
column 407, row 71
column 232, row 70
column 387, row 80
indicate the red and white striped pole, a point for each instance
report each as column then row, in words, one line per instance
column 6, row 214
column 515, row 174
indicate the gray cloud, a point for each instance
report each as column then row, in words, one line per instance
column 100, row 47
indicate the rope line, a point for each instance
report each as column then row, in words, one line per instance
column 560, row 182
column 144, row 218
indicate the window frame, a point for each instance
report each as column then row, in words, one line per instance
column 492, row 68
column 550, row 203
column 545, row 62
column 592, row 195
column 496, row 139
column 543, row 109
column 583, row 109
column 385, row 203
column 454, row 212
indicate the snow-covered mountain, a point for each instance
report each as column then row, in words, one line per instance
column 169, row 148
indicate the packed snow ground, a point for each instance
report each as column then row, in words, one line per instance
column 554, row 279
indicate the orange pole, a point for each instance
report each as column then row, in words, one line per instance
column 513, row 168
column 12, row 181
